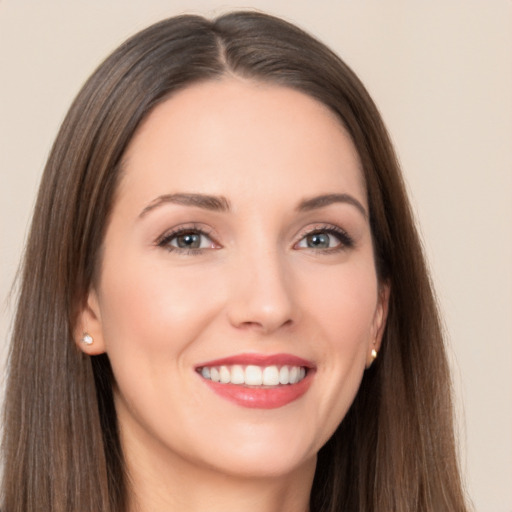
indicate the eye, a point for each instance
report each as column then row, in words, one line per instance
column 187, row 240
column 319, row 241
column 326, row 238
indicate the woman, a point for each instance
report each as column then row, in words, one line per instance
column 224, row 301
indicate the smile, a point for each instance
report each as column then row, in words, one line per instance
column 257, row 380
column 253, row 375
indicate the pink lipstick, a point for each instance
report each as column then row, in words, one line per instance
column 258, row 380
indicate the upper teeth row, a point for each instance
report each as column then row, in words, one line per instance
column 254, row 375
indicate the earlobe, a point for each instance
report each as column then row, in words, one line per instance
column 88, row 333
column 379, row 324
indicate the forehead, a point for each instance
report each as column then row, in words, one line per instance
column 241, row 137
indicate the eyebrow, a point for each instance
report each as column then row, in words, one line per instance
column 221, row 204
column 328, row 199
column 213, row 203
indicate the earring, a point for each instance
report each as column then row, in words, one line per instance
column 374, row 354
column 87, row 339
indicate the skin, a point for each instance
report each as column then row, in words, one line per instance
column 254, row 286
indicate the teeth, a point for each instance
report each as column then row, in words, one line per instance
column 284, row 375
column 294, row 373
column 237, row 375
column 253, row 375
column 214, row 374
column 225, row 375
column 271, row 376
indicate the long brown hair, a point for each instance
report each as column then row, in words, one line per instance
column 395, row 449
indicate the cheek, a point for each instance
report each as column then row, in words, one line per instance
column 151, row 309
column 151, row 315
column 342, row 304
column 344, row 300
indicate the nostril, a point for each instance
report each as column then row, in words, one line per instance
column 264, row 326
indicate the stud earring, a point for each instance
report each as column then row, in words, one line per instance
column 374, row 354
column 87, row 339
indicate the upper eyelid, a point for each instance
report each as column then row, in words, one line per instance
column 319, row 227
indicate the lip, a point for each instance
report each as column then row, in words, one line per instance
column 257, row 397
column 261, row 360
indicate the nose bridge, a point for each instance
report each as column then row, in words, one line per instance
column 261, row 288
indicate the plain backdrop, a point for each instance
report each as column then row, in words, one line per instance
column 441, row 74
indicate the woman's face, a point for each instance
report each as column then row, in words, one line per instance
column 238, row 300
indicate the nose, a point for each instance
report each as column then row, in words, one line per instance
column 261, row 295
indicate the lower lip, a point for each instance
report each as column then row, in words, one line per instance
column 260, row 397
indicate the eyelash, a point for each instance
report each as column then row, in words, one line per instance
column 345, row 240
column 165, row 240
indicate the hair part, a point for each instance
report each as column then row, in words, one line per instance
column 394, row 450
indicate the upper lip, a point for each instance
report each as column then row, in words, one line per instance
column 260, row 360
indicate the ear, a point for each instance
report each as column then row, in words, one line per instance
column 89, row 323
column 379, row 323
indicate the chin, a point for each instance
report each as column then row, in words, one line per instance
column 260, row 451
column 249, row 465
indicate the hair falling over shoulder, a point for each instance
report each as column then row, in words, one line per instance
column 394, row 451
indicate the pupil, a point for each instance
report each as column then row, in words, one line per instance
column 318, row 240
column 189, row 241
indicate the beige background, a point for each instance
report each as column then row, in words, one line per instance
column 441, row 73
